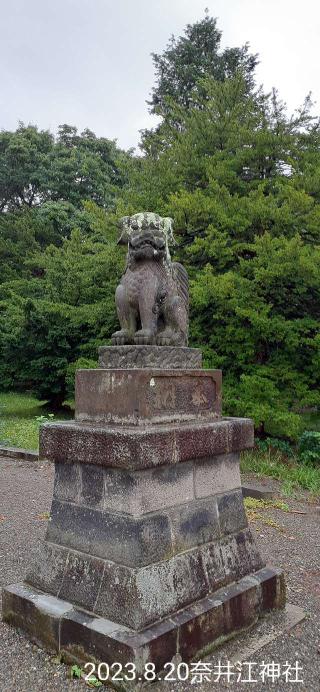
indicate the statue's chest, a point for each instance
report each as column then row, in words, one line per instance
column 144, row 278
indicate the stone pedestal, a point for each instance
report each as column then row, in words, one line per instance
column 148, row 553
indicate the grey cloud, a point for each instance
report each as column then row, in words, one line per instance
column 87, row 62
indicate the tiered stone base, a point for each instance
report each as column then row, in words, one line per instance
column 192, row 632
column 148, row 553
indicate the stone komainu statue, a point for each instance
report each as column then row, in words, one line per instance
column 153, row 295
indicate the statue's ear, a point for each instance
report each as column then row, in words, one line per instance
column 168, row 229
column 124, row 231
column 123, row 238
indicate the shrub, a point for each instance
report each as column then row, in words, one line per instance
column 309, row 448
column 274, row 443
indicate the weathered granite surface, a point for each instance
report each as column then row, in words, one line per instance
column 141, row 595
column 148, row 490
column 141, row 540
column 164, row 357
column 144, row 397
column 133, row 447
column 191, row 632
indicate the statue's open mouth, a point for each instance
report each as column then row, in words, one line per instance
column 143, row 243
column 149, row 246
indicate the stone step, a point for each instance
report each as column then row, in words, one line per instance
column 191, row 633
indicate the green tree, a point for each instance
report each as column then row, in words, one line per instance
column 180, row 69
column 232, row 177
column 24, row 158
column 35, row 167
column 84, row 167
column 68, row 313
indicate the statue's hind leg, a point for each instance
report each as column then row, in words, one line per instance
column 127, row 318
column 175, row 332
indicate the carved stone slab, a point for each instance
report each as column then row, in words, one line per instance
column 137, row 447
column 145, row 397
column 164, row 357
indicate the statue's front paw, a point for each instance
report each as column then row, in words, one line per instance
column 164, row 341
column 166, row 337
column 144, row 337
column 122, row 337
column 170, row 338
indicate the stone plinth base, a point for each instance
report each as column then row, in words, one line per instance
column 144, row 521
column 138, row 596
column 164, row 357
column 148, row 553
column 137, row 447
column 191, row 632
column 145, row 397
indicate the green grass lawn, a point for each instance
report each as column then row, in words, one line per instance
column 20, row 416
column 290, row 472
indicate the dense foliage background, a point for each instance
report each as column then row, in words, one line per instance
column 241, row 179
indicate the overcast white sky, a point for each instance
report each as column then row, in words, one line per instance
column 87, row 62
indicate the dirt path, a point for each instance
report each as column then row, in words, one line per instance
column 294, row 545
